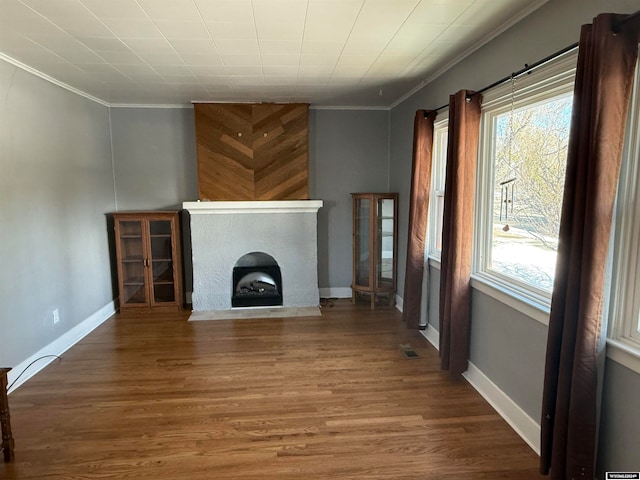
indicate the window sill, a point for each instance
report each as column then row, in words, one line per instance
column 624, row 353
column 434, row 262
column 527, row 306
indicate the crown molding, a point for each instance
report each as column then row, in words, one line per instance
column 151, row 105
column 49, row 79
column 349, row 107
column 477, row 46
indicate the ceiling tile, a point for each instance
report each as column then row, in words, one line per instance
column 124, row 28
column 235, row 70
column 175, row 29
column 116, row 9
column 201, row 59
column 321, row 48
column 149, row 45
column 241, row 60
column 85, row 27
column 384, row 13
column 234, row 30
column 225, row 10
column 390, row 65
column 220, row 80
column 271, row 81
column 290, row 60
column 279, row 70
column 330, row 20
column 103, row 71
column 172, row 70
column 246, row 78
column 123, row 57
column 279, row 11
column 194, row 45
column 111, row 44
column 70, row 9
column 247, row 46
column 181, row 79
column 318, row 60
column 81, row 56
column 318, row 72
column 413, row 39
column 161, row 58
column 175, row 10
column 280, row 31
column 276, row 47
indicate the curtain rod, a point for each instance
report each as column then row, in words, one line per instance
column 527, row 68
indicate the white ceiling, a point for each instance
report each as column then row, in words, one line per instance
column 325, row 52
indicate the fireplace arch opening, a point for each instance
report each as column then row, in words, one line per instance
column 257, row 281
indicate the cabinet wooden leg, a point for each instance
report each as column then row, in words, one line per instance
column 5, row 421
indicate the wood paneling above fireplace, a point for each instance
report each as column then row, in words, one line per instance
column 252, row 151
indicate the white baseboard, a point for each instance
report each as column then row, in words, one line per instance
column 399, row 302
column 59, row 346
column 510, row 411
column 518, row 419
column 432, row 336
column 335, row 292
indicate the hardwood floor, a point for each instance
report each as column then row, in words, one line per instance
column 329, row 397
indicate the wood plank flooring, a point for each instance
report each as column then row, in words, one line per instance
column 329, row 397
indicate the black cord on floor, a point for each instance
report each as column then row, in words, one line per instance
column 28, row 366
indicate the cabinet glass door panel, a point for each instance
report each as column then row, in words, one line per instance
column 386, row 247
column 132, row 264
column 363, row 211
column 375, row 234
column 161, row 261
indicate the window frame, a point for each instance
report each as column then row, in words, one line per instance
column 438, row 178
column 623, row 337
column 551, row 80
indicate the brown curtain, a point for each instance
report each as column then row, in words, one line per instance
column 457, row 231
column 602, row 90
column 418, row 210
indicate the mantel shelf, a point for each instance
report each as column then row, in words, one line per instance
column 269, row 206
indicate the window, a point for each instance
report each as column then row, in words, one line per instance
column 624, row 317
column 522, row 161
column 436, row 198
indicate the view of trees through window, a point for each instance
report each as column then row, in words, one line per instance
column 530, row 160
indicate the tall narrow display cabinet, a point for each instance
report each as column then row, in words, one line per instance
column 149, row 260
column 375, row 246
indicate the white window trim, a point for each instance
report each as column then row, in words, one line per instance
column 439, row 163
column 623, row 343
column 555, row 78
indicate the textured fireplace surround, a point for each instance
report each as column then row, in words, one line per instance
column 222, row 232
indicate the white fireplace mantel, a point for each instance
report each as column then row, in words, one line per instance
column 271, row 206
column 222, row 232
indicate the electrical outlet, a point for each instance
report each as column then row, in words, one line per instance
column 56, row 316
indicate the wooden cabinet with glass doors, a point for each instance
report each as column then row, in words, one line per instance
column 375, row 246
column 149, row 260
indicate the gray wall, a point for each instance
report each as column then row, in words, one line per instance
column 620, row 421
column 56, row 185
column 348, row 152
column 506, row 345
column 154, row 152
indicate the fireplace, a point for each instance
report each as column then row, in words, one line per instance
column 257, row 281
column 222, row 233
